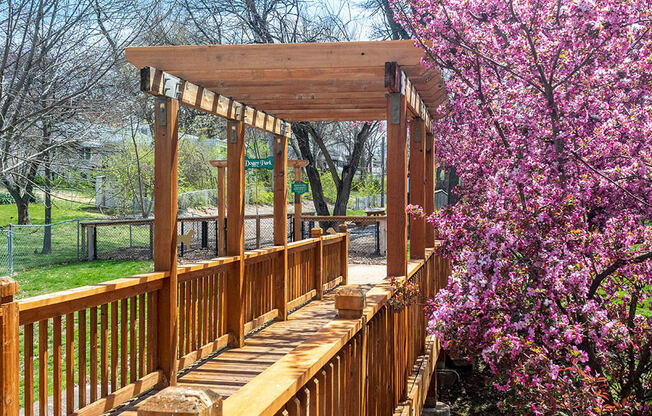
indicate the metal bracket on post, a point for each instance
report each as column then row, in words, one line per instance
column 416, row 135
column 233, row 136
column 395, row 108
column 161, row 104
column 171, row 86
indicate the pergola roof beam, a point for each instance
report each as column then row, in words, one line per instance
column 153, row 81
column 396, row 80
column 341, row 81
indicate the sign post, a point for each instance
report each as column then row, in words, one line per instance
column 265, row 163
column 300, row 187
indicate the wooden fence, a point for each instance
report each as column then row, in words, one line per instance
column 378, row 364
column 95, row 347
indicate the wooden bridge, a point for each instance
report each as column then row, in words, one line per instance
column 278, row 330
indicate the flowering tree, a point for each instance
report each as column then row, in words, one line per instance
column 549, row 126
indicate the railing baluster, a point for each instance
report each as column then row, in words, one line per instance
column 70, row 363
column 29, row 370
column 133, row 359
column 93, row 358
column 43, row 367
column 124, row 342
column 56, row 366
column 114, row 347
column 141, row 336
column 104, row 350
column 81, row 322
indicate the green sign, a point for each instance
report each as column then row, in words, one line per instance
column 267, row 163
column 300, row 187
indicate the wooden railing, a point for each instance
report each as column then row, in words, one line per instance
column 363, row 366
column 100, row 339
column 92, row 348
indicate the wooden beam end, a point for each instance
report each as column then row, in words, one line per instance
column 146, row 78
column 391, row 76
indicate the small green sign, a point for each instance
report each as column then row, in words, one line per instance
column 300, row 187
column 267, row 163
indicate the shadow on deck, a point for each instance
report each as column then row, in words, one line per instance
column 228, row 370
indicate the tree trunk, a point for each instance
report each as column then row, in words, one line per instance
column 22, row 203
column 343, row 181
column 343, row 192
column 47, row 231
column 303, row 139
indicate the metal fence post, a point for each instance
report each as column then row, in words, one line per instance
column 10, row 251
column 257, row 231
column 217, row 240
column 77, row 240
column 377, row 237
column 182, row 233
column 204, row 234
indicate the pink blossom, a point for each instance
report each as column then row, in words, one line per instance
column 548, row 125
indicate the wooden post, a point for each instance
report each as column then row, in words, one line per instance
column 281, row 225
column 235, row 150
column 165, row 232
column 90, row 242
column 417, row 182
column 350, row 302
column 319, row 261
column 396, row 185
column 9, row 348
column 220, row 210
column 297, row 206
column 344, row 255
column 188, row 401
column 429, row 193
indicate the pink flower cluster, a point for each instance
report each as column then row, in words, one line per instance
column 549, row 126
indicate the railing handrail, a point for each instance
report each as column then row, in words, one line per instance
column 345, row 218
column 47, row 306
column 150, row 220
column 135, row 302
column 271, row 389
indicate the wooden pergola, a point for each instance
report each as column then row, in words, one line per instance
column 128, row 337
column 269, row 86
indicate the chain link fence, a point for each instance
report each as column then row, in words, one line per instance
column 26, row 246
column 199, row 238
column 367, row 235
column 22, row 246
column 5, row 255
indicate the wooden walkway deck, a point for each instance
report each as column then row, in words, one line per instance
column 229, row 370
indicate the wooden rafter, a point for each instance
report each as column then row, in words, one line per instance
column 343, row 81
column 152, row 81
column 397, row 81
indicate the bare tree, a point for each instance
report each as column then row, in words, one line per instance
column 311, row 135
column 54, row 63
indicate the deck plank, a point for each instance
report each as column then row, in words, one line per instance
column 228, row 370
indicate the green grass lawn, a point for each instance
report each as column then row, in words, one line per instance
column 60, row 212
column 28, row 241
column 66, row 276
